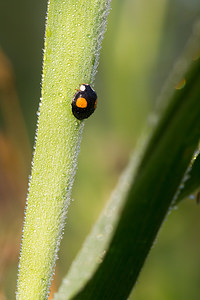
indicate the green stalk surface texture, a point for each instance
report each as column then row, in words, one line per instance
column 74, row 32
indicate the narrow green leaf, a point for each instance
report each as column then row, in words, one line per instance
column 74, row 33
column 146, row 201
column 151, row 195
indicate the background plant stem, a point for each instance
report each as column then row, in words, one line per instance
column 74, row 32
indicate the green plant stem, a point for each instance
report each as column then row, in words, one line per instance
column 73, row 36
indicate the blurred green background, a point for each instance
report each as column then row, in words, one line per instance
column 142, row 42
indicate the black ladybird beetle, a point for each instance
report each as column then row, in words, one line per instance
column 84, row 102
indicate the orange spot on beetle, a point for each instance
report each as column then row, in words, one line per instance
column 81, row 102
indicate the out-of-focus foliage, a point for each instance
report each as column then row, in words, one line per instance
column 142, row 43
